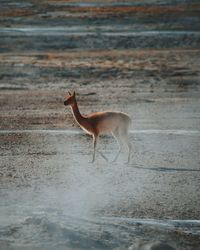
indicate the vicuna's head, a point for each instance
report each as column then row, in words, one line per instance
column 70, row 99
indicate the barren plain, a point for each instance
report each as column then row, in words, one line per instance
column 139, row 57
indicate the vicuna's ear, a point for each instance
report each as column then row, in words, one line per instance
column 69, row 93
column 74, row 93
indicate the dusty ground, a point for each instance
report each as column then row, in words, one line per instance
column 50, row 168
column 50, row 195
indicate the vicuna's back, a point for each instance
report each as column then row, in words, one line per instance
column 108, row 121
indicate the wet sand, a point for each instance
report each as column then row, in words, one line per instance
column 133, row 57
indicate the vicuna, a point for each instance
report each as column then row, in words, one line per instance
column 100, row 123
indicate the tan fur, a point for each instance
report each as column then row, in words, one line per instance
column 100, row 123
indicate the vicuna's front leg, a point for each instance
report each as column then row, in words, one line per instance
column 95, row 139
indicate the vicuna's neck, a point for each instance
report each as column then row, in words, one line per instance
column 76, row 113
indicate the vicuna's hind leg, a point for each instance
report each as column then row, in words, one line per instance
column 119, row 141
column 129, row 146
column 123, row 137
